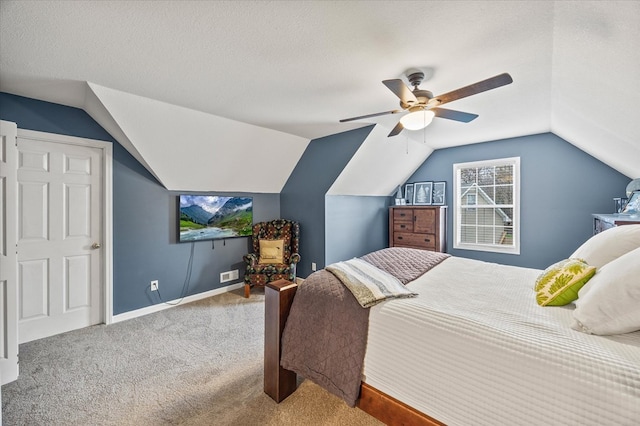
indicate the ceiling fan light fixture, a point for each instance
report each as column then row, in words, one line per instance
column 417, row 120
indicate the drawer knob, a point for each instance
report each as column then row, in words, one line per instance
column 427, row 240
column 402, row 215
column 399, row 238
column 402, row 226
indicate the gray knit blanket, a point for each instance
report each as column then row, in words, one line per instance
column 368, row 284
column 325, row 337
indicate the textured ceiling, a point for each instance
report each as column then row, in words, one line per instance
column 296, row 68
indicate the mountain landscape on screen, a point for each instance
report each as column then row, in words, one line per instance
column 210, row 217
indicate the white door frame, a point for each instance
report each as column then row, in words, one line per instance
column 107, row 210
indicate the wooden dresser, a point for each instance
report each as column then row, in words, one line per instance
column 422, row 227
column 602, row 222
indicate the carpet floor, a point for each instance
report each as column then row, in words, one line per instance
column 194, row 364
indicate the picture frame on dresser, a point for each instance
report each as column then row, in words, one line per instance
column 438, row 194
column 408, row 193
column 422, row 193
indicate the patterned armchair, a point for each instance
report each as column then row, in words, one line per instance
column 263, row 269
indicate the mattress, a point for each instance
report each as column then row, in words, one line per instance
column 474, row 348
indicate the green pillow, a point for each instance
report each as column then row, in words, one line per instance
column 558, row 285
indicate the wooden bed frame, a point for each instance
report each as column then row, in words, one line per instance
column 280, row 383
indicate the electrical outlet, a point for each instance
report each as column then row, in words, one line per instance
column 313, row 266
column 154, row 285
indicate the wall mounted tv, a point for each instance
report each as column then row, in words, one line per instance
column 212, row 217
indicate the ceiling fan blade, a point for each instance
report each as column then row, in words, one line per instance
column 394, row 111
column 450, row 114
column 472, row 89
column 396, row 130
column 401, row 90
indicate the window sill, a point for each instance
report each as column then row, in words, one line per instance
column 491, row 249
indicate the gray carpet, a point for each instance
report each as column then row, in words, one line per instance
column 194, row 364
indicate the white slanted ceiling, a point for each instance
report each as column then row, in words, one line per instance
column 596, row 81
column 225, row 95
column 213, row 152
column 376, row 166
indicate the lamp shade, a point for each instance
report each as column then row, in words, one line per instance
column 417, row 120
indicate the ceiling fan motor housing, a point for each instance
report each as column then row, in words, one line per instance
column 423, row 97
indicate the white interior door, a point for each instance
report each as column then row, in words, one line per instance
column 8, row 283
column 59, row 237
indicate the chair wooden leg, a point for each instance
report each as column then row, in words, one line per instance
column 247, row 290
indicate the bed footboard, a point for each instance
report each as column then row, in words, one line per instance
column 279, row 383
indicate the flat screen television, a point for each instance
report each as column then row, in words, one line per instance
column 212, row 217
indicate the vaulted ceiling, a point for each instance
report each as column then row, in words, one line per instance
column 189, row 85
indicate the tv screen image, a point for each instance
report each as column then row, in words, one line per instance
column 212, row 217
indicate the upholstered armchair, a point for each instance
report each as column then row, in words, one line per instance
column 275, row 253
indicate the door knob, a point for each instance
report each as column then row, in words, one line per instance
column 95, row 246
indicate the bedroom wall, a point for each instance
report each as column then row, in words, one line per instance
column 355, row 226
column 561, row 186
column 144, row 215
column 303, row 196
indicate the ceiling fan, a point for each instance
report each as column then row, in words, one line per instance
column 423, row 106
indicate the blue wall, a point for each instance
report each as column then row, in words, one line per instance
column 355, row 226
column 303, row 197
column 31, row 114
column 144, row 216
column 561, row 186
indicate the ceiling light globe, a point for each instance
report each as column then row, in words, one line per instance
column 417, row 120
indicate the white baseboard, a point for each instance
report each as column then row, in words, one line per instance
column 162, row 306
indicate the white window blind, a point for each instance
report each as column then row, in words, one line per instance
column 487, row 205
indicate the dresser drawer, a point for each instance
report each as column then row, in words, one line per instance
column 424, row 241
column 402, row 215
column 403, row 226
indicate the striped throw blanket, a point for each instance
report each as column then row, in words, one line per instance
column 368, row 284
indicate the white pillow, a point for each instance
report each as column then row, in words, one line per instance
column 608, row 245
column 612, row 305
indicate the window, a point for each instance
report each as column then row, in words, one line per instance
column 486, row 205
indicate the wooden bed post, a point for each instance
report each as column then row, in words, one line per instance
column 278, row 382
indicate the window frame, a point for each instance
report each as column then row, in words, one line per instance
column 457, row 209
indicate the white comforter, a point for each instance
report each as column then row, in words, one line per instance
column 474, row 348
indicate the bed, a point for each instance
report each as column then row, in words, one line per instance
column 475, row 347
